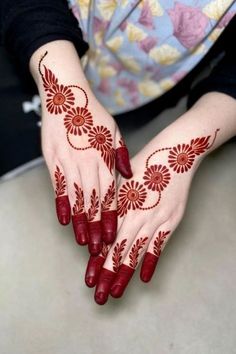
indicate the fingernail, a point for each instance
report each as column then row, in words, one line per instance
column 123, row 162
column 95, row 248
column 116, row 291
column 146, row 276
column 109, row 237
column 101, row 298
column 83, row 239
column 90, row 282
column 64, row 219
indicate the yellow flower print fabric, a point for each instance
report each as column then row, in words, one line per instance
column 139, row 49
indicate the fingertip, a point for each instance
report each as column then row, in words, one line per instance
column 123, row 162
column 148, row 267
column 79, row 222
column 93, row 270
column 109, row 226
column 121, row 281
column 63, row 210
column 95, row 237
column 105, row 280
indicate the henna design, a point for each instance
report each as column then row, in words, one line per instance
column 60, row 182
column 109, row 197
column 135, row 251
column 122, row 142
column 132, row 195
column 105, row 250
column 93, row 210
column 78, row 120
column 117, row 254
column 156, row 177
column 159, row 240
column 78, row 207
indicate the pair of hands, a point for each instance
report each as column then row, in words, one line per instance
column 82, row 147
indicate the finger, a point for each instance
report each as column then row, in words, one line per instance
column 94, row 267
column 153, row 253
column 108, row 208
column 113, row 262
column 122, row 158
column 93, row 210
column 62, row 201
column 79, row 218
column 131, row 262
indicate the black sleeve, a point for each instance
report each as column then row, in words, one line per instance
column 28, row 24
column 223, row 76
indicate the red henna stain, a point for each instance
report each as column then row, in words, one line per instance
column 109, row 225
column 121, row 280
column 109, row 198
column 63, row 209
column 78, row 207
column 80, row 227
column 95, row 237
column 156, row 177
column 181, row 158
column 104, row 283
column 105, row 250
column 159, row 240
column 148, row 267
column 94, row 267
column 117, row 254
column 132, row 195
column 135, row 251
column 78, row 121
column 123, row 162
column 94, row 206
column 60, row 182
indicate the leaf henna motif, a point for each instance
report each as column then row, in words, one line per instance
column 200, row 145
column 109, row 197
column 78, row 207
column 49, row 79
column 135, row 251
column 105, row 249
column 159, row 242
column 93, row 210
column 117, row 254
column 60, row 182
column 109, row 158
column 122, row 142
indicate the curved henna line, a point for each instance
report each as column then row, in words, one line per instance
column 216, row 132
column 40, row 62
column 154, row 205
column 86, row 96
column 75, row 147
column 155, row 152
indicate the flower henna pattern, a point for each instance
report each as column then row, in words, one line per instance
column 78, row 207
column 181, row 158
column 132, row 195
column 135, row 251
column 109, row 197
column 94, row 206
column 159, row 240
column 60, row 182
column 117, row 254
column 78, row 120
column 156, row 177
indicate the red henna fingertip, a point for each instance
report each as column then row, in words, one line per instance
column 80, row 228
column 109, row 226
column 63, row 210
column 123, row 162
column 95, row 238
column 121, row 280
column 94, row 266
column 148, row 267
column 103, row 286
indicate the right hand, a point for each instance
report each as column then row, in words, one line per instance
column 82, row 146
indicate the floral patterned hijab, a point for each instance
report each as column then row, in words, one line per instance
column 139, row 49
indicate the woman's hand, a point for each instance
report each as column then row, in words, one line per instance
column 152, row 203
column 82, row 147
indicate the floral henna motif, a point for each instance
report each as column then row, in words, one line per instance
column 135, row 251
column 156, row 177
column 117, row 254
column 159, row 240
column 109, row 197
column 78, row 207
column 78, row 120
column 132, row 195
column 60, row 182
column 94, row 206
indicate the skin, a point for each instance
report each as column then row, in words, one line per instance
column 145, row 233
column 81, row 169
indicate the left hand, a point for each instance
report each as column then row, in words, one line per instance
column 150, row 206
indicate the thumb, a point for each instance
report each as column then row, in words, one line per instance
column 122, row 160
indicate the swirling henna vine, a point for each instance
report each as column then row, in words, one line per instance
column 78, row 121
column 133, row 195
column 117, row 254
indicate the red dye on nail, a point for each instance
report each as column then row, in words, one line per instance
column 121, row 281
column 148, row 267
column 94, row 266
column 122, row 162
column 63, row 209
column 80, row 227
column 103, row 286
column 95, row 237
column 109, row 226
